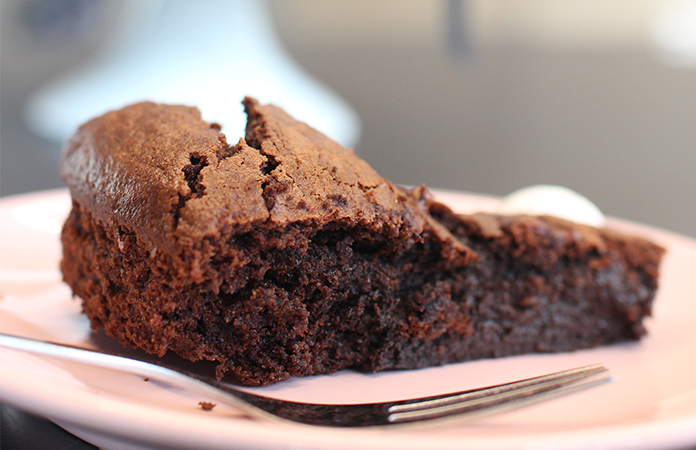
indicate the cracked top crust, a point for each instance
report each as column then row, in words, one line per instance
column 166, row 174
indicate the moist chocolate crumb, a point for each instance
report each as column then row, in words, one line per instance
column 287, row 255
column 207, row 406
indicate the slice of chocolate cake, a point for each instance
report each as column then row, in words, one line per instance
column 287, row 255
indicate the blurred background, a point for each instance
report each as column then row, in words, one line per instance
column 485, row 96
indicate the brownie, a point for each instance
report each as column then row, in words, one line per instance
column 285, row 255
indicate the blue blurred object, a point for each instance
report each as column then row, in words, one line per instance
column 208, row 54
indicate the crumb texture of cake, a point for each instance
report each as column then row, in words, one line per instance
column 287, row 255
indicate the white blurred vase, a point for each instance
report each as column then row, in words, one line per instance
column 208, row 54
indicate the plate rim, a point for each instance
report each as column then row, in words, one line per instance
column 641, row 433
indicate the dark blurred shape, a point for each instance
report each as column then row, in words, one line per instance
column 458, row 33
column 22, row 431
column 56, row 22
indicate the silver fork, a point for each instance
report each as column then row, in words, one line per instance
column 457, row 404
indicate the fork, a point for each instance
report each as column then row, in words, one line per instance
column 470, row 403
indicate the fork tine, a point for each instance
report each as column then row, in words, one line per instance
column 495, row 398
column 456, row 397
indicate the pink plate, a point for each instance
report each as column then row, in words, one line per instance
column 651, row 403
